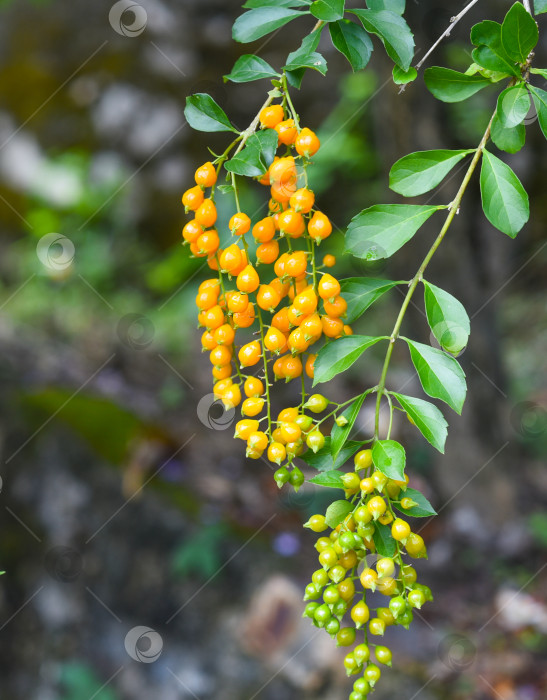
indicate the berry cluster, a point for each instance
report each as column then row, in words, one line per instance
column 274, row 285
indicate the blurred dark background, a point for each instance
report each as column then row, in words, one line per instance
column 131, row 522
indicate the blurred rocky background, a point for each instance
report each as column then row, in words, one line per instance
column 144, row 556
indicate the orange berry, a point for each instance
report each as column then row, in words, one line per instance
column 278, row 370
column 280, row 287
column 212, row 283
column 212, row 261
column 267, row 297
column 292, row 367
column 328, row 287
column 237, row 302
column 332, row 327
column 276, row 207
column 206, row 175
column 274, row 340
column 224, row 335
column 252, row 407
column 287, row 132
column 239, row 224
column 222, row 372
column 220, row 356
column 267, row 253
column 282, row 192
column 279, row 267
column 231, row 397
column 307, row 144
column 258, row 441
column 336, row 306
column 291, row 223
column 208, row 243
column 191, row 231
column 264, row 230
column 250, row 354
column 193, row 198
column 312, row 327
column 297, row 342
column 288, row 415
column 319, row 227
column 283, row 172
column 297, row 264
column 206, row 299
column 290, row 432
column 220, row 387
column 271, row 116
column 244, row 319
column 208, row 341
column 306, row 301
column 213, row 317
column 329, row 261
column 231, row 259
column 248, row 280
column 309, row 365
column 206, row 214
column 253, row 387
column 281, row 320
column 302, row 200
column 348, row 330
column 295, row 316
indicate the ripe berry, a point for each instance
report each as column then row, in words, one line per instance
column 310, row 365
column 302, row 200
column 213, row 317
column 328, row 287
column 264, row 230
column 192, row 231
column 244, row 428
column 224, row 335
column 292, row 367
column 307, row 144
column 232, row 396
column 296, row 264
column 245, row 318
column 377, row 506
column 231, row 259
column 368, row 579
column 267, row 297
column 206, row 213
column 267, row 253
column 193, row 198
column 250, row 354
column 277, row 452
column 332, row 327
column 400, row 530
column 258, row 441
column 252, row 407
column 271, row 116
column 239, row 224
column 248, row 280
column 336, row 307
column 319, row 227
column 206, row 175
column 329, row 261
column 287, row 132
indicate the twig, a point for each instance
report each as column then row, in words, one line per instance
column 527, row 7
column 453, row 22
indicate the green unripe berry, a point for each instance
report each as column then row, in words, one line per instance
column 362, row 515
column 346, row 541
column 320, row 577
column 377, row 626
column 361, row 653
column 362, row 686
column 331, row 594
column 409, row 575
column 383, row 654
column 322, row 615
column 310, row 609
column 304, row 422
column 316, row 523
column 363, row 460
column 311, row 591
column 397, row 606
column 337, row 573
column 296, row 478
column 351, row 481
column 316, row 403
column 328, row 558
column 315, row 440
column 385, row 567
column 379, row 480
column 332, row 627
column 416, row 599
column 345, row 637
column 354, row 695
column 350, row 664
column 372, row 674
column 340, row 608
column 282, row 476
column 405, row 619
column 386, row 616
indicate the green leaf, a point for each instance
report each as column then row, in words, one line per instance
column 257, row 156
column 540, row 101
column 255, row 24
column 328, row 10
column 539, row 71
column 352, row 41
column 394, row 33
column 340, row 434
column 402, row 77
column 337, row 512
column 422, row 171
column 380, row 230
column 513, row 106
column 322, row 460
column 338, row 355
column 424, row 509
column 332, row 479
column 487, row 33
column 451, row 86
column 540, row 6
column 362, row 292
column 509, row 140
column 306, row 56
column 493, row 60
column 250, row 67
column 427, row 418
column 504, row 199
column 389, row 458
column 397, row 6
column 383, row 540
column 447, row 318
column 519, row 33
column 440, row 374
column 203, row 114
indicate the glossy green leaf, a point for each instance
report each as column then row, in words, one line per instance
column 509, row 140
column 340, row 434
column 447, row 318
column 402, row 77
column 440, row 374
column 389, row 458
column 383, row 540
column 493, row 60
column 328, row 10
column 203, row 114
column 424, row 509
column 540, row 6
column 255, row 24
column 306, row 56
column 335, row 357
column 332, row 479
column 322, row 460
column 257, row 156
column 397, row 6
column 362, row 292
column 513, row 105
column 451, row 86
column 337, row 512
column 250, row 67
column 352, row 41
column 539, row 71
column 422, row 171
column 394, row 33
column 540, row 101
column 504, row 199
column 427, row 418
column 381, row 230
column 487, row 33
column 519, row 33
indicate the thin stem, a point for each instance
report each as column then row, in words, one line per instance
column 266, row 378
column 453, row 22
column 454, row 208
column 527, row 7
column 289, row 101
